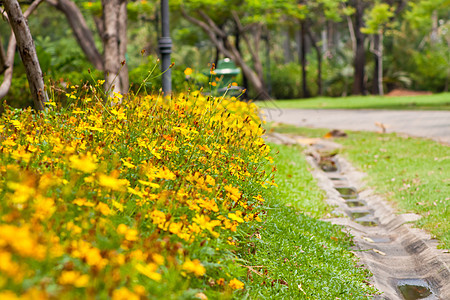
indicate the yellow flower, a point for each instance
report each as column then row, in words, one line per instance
column 9, row 295
column 73, row 278
column 233, row 192
column 122, row 229
column 23, row 191
column 128, row 164
column 94, row 258
column 83, row 202
column 103, row 208
column 165, row 173
column 111, row 182
column 131, row 235
column 124, row 294
column 259, row 198
column 158, row 258
column 86, row 163
column 188, row 71
column 194, row 266
column 236, row 284
column 149, row 270
column 209, row 180
column 149, row 183
column 235, row 217
column 118, row 95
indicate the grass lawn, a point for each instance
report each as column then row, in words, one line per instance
column 427, row 102
column 413, row 173
column 293, row 255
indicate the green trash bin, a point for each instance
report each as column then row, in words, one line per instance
column 225, row 74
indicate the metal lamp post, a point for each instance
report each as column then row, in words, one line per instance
column 165, row 48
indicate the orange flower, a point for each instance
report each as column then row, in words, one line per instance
column 236, row 284
column 188, row 71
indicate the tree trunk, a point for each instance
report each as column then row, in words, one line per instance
column 3, row 59
column 351, row 30
column 27, row 52
column 288, row 57
column 254, row 51
column 380, row 63
column 111, row 45
column 377, row 86
column 324, row 37
column 360, row 53
column 123, row 42
column 9, row 58
column 268, row 78
column 319, row 62
column 112, row 28
column 7, row 78
column 434, row 36
column 244, row 77
column 374, row 49
column 217, row 56
column 80, row 30
column 306, row 93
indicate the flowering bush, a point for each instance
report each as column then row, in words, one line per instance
column 140, row 200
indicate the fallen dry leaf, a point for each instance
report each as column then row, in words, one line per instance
column 368, row 239
column 378, row 251
column 300, row 288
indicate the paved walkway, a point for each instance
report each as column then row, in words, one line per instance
column 429, row 124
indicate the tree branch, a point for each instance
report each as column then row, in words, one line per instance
column 122, row 29
column 212, row 24
column 27, row 52
column 242, row 32
column 212, row 35
column 81, row 31
column 11, row 51
column 3, row 65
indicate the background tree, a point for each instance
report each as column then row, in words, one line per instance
column 250, row 27
column 111, row 23
column 359, row 63
column 377, row 20
column 22, row 36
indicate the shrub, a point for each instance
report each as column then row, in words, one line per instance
column 286, row 81
column 142, row 199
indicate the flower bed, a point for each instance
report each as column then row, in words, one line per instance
column 140, row 200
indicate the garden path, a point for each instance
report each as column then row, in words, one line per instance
column 428, row 124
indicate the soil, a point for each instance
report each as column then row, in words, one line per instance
column 402, row 92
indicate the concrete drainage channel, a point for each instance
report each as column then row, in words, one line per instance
column 404, row 261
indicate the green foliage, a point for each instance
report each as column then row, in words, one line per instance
column 430, row 102
column 430, row 69
column 419, row 13
column 148, row 75
column 338, row 73
column 377, row 18
column 107, row 201
column 312, row 260
column 19, row 95
column 286, row 81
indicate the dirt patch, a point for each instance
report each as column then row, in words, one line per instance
column 402, row 92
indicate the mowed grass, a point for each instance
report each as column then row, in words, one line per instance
column 426, row 102
column 295, row 256
column 413, row 173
